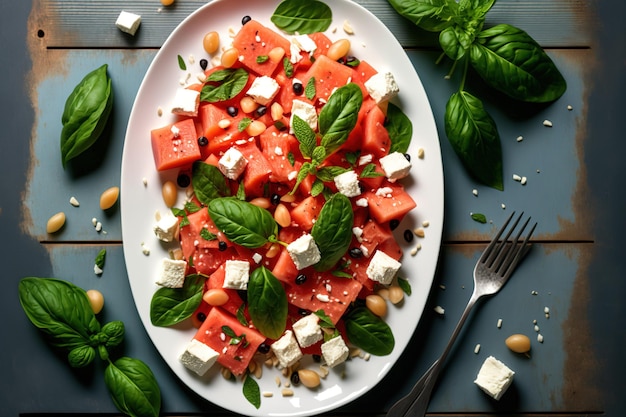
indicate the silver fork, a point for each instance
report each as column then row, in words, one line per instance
column 493, row 269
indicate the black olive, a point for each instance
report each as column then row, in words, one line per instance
column 298, row 88
column 300, row 279
column 356, row 253
column 201, row 316
column 275, row 199
column 245, row 19
column 203, row 141
column 222, row 246
column 408, row 157
column 183, row 180
column 261, row 110
column 204, row 64
column 394, row 223
column 408, row 235
column 232, row 111
column 263, row 348
column 317, row 358
column 295, row 378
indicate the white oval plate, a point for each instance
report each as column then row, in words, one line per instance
column 141, row 198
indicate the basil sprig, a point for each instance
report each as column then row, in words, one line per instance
column 333, row 230
column 369, row 332
column 63, row 312
column 208, row 182
column 224, row 84
column 85, row 114
column 505, row 57
column 302, row 16
column 267, row 303
column 170, row 306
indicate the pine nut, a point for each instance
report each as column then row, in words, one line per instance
column 211, row 42
column 109, row 197
column 215, row 297
column 339, row 49
column 229, row 57
column 395, row 294
column 276, row 111
column 383, row 292
column 55, row 223
column 276, row 54
column 261, row 202
column 170, row 194
column 309, row 378
column 96, row 300
column 256, row 128
column 226, row 373
column 376, row 304
column 282, row 215
column 273, row 251
column 288, row 198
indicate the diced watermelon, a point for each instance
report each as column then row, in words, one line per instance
column 329, row 75
column 307, row 211
column 207, row 260
column 220, row 139
column 375, row 136
column 175, row 145
column 254, row 40
column 362, row 73
column 216, row 280
column 284, row 269
column 258, row 170
column 394, row 205
column 276, row 146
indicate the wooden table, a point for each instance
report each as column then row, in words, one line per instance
column 574, row 191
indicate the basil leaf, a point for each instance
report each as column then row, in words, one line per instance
column 309, row 90
column 369, row 332
column 369, row 171
column 405, row 285
column 339, row 116
column 86, row 112
column 455, row 42
column 302, row 16
column 333, row 230
column 181, row 63
column 325, row 321
column 81, row 356
column 243, row 223
column 251, row 391
column 329, row 173
column 170, row 306
column 223, row 85
column 208, row 182
column 479, row 217
column 400, row 129
column 305, row 135
column 509, row 60
column 101, row 258
column 267, row 303
column 60, row 309
column 114, row 332
column 133, row 387
column 288, row 67
column 430, row 15
column 474, row 10
column 474, row 137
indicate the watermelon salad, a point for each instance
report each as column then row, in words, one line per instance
column 292, row 160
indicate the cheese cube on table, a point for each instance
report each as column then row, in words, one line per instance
column 395, row 165
column 286, row 349
column 198, row 357
column 128, row 22
column 186, row 102
column 304, row 251
column 382, row 86
column 172, row 273
column 335, row 351
column 237, row 275
column 232, row 164
column 166, row 228
column 382, row 268
column 305, row 111
column 494, row 377
column 307, row 330
column 347, row 184
column 263, row 89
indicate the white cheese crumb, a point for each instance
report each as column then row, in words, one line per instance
column 540, row 338
column 499, row 324
column 439, row 310
column 144, row 181
column 547, row 123
column 503, row 206
column 520, row 138
column 97, row 270
column 524, row 180
column 74, row 201
column 477, row 348
column 516, row 177
column 569, row 107
column 475, row 192
column 347, row 27
column 536, row 328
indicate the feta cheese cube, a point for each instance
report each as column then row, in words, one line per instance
column 198, row 357
column 237, row 274
column 186, row 102
column 304, row 251
column 494, row 377
column 395, row 165
column 166, row 228
column 128, row 22
column 382, row 86
column 308, row 331
column 335, row 351
column 348, row 184
column 305, row 111
column 232, row 163
column 382, row 268
column 287, row 350
column 304, row 43
column 172, row 273
column 263, row 89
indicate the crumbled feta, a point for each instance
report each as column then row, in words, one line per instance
column 74, row 202
column 547, row 123
column 186, row 102
column 237, row 274
column 494, row 377
column 308, row 330
column 305, row 111
column 286, row 349
column 97, row 270
column 439, row 310
column 348, row 184
column 395, row 165
column 198, row 357
column 166, row 228
column 362, row 202
column 257, row 257
column 303, row 43
column 263, row 89
column 382, row 86
column 365, row 159
column 171, row 273
column 232, row 163
column 382, row 268
column 128, row 22
column 335, row 351
column 304, row 251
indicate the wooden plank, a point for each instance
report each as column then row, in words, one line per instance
column 91, row 24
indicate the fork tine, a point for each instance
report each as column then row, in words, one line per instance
column 506, row 254
column 520, row 253
column 488, row 251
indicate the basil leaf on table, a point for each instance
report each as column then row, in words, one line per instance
column 339, row 116
column 114, row 333
column 243, row 223
column 333, row 230
column 369, row 332
column 81, row 356
column 170, row 306
column 430, row 15
column 509, row 60
column 474, row 137
column 267, row 303
column 223, row 85
column 400, row 129
column 133, row 387
column 302, row 16
column 85, row 114
column 208, row 182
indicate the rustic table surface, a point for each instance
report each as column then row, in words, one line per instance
column 574, row 191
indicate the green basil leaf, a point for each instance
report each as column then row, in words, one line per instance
column 339, row 116
column 455, row 42
column 267, row 303
column 251, row 391
column 60, row 309
column 333, row 230
column 224, row 84
column 369, row 332
column 288, row 67
column 479, row 217
column 305, row 135
column 302, row 16
column 244, row 123
column 509, row 60
column 405, row 285
column 81, row 356
column 369, row 171
column 474, row 137
column 325, row 321
column 243, row 223
column 101, row 258
column 114, row 332
column 133, row 387
column 430, row 15
column 170, row 306
column 241, row 316
column 309, row 89
column 329, row 173
column 208, row 182
column 85, row 114
column 318, row 155
column 181, row 63
column 304, row 171
column 474, row 10
column 317, row 188
column 400, row 129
